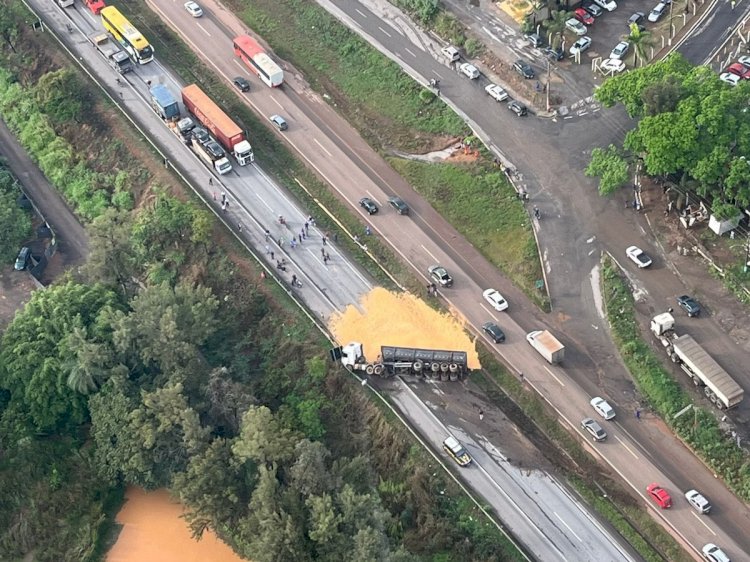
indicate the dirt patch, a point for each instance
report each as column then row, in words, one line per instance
column 15, row 291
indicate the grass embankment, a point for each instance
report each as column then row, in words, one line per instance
column 591, row 481
column 699, row 429
column 478, row 199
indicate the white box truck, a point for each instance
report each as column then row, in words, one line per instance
column 547, row 345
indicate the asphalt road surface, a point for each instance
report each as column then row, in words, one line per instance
column 72, row 239
column 425, row 239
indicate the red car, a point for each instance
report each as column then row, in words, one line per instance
column 583, row 16
column 660, row 496
column 739, row 69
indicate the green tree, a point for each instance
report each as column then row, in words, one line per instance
column 227, row 402
column 555, row 26
column 737, row 183
column 309, row 473
column 90, row 363
column 663, row 96
column 15, row 223
column 639, row 40
column 610, row 167
column 215, row 487
column 166, row 326
column 263, row 438
column 112, row 259
column 36, row 359
column 628, row 88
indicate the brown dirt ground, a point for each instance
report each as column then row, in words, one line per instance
column 15, row 291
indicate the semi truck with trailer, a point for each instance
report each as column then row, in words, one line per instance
column 428, row 363
column 718, row 386
column 164, row 103
column 116, row 57
column 223, row 129
column 206, row 148
column 547, row 345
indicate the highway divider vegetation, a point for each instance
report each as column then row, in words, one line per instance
column 169, row 362
column 698, row 428
column 598, row 487
column 477, row 198
column 15, row 222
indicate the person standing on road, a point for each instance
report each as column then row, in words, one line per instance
column 481, row 415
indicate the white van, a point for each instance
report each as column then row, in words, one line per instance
column 469, row 70
column 451, row 53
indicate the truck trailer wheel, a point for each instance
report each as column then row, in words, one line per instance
column 369, row 369
column 378, row 370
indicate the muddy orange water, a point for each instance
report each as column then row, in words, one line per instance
column 154, row 531
column 401, row 320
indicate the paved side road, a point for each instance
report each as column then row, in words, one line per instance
column 71, row 236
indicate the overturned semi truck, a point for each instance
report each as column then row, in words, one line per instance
column 428, row 363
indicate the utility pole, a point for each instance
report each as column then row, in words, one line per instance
column 548, row 83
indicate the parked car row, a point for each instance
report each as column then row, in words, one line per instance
column 738, row 70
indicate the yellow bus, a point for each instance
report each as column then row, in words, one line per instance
column 127, row 35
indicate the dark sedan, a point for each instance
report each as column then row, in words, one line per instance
column 494, row 331
column 368, row 205
column 689, row 305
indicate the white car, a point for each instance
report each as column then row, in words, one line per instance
column 744, row 61
column 612, row 66
column 576, row 26
column 713, row 553
column 729, row 78
column 698, row 501
column 193, row 9
column 469, row 70
column 609, row 5
column 495, row 299
column 620, row 50
column 657, row 12
column 581, row 45
column 496, row 92
column 638, row 257
column 603, row 408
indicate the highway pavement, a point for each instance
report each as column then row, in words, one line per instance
column 423, row 239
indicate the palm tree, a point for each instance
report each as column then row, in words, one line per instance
column 639, row 41
column 555, row 25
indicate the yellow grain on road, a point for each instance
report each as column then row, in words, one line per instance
column 402, row 320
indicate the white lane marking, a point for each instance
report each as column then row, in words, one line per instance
column 440, row 76
column 429, row 253
column 492, row 312
column 323, row 148
column 568, row 526
column 374, row 198
column 410, row 52
column 274, row 100
column 561, row 383
column 361, row 13
column 204, row 30
column 699, row 518
column 384, row 31
column 263, row 201
column 626, row 447
column 238, row 63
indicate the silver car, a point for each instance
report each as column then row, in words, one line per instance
column 594, row 429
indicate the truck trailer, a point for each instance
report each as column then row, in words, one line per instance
column 164, row 103
column 718, row 386
column 547, row 345
column 226, row 131
column 428, row 363
column 116, row 57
